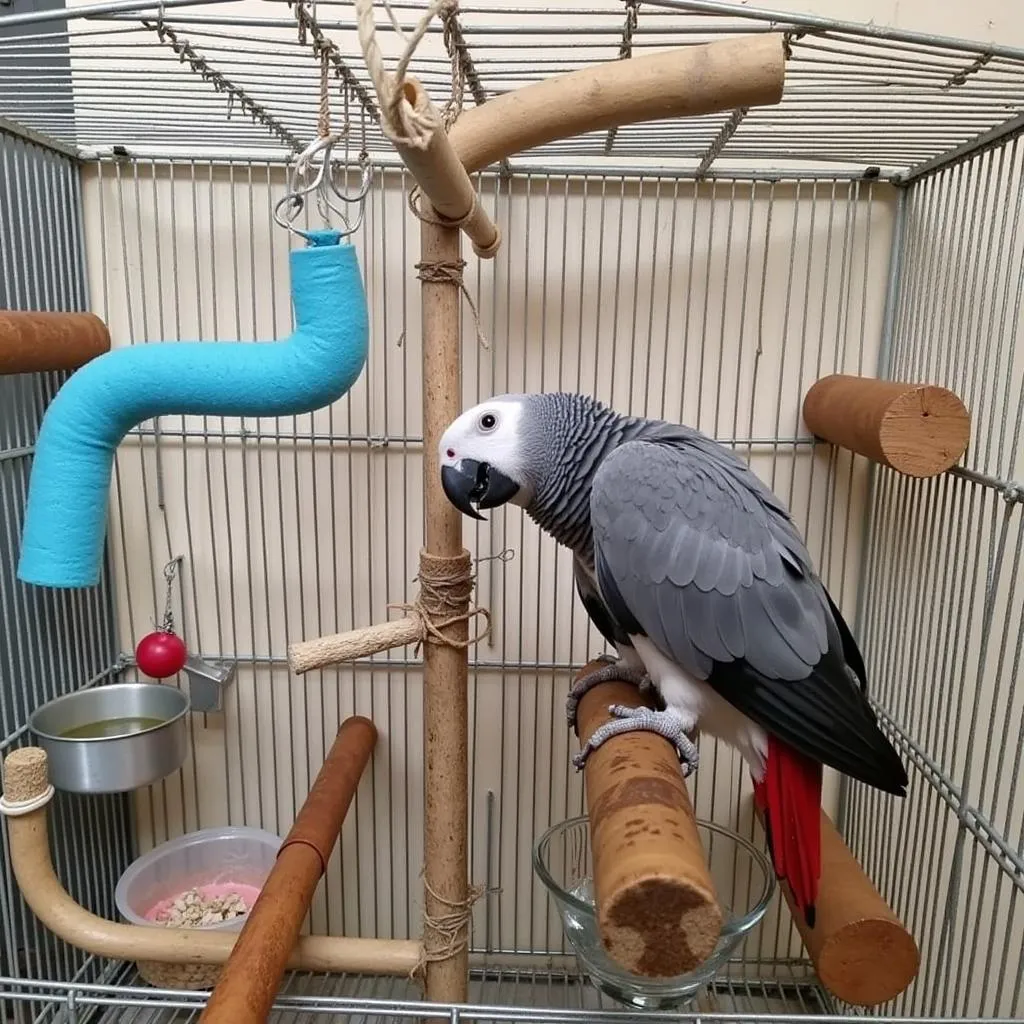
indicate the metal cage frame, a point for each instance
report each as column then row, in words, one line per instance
column 967, row 148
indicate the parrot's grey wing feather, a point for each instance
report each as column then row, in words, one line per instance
column 694, row 552
column 596, row 608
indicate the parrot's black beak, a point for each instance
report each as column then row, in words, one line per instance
column 476, row 482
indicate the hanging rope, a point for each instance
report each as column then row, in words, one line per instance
column 453, row 107
column 324, row 121
column 399, row 120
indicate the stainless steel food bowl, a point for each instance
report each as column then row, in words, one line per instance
column 119, row 762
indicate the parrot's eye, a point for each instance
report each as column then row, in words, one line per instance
column 488, row 421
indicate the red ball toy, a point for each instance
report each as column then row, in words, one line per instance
column 161, row 654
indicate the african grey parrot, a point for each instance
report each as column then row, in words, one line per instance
column 692, row 568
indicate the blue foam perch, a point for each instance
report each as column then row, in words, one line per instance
column 65, row 521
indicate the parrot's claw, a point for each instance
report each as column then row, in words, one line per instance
column 613, row 671
column 668, row 723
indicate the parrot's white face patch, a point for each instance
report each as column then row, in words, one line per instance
column 489, row 432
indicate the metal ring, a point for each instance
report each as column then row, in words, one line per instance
column 323, row 185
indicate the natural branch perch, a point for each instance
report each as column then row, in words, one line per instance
column 356, row 643
column 745, row 71
column 656, row 906
column 245, row 991
column 25, row 778
column 917, row 429
column 36, row 342
column 861, row 951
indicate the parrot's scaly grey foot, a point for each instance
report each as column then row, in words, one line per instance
column 612, row 672
column 668, row 723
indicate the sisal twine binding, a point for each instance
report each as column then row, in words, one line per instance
column 446, row 585
column 451, row 272
column 447, row 934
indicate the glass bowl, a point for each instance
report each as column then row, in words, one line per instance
column 744, row 881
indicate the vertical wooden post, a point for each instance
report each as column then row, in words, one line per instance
column 445, row 673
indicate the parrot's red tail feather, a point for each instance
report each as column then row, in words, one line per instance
column 789, row 797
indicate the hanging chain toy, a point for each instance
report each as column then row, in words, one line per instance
column 170, row 570
column 163, row 653
column 323, row 183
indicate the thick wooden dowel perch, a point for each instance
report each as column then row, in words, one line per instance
column 245, row 992
column 36, row 342
column 745, row 71
column 305, row 655
column 860, row 949
column 443, row 180
column 657, row 911
column 917, row 429
column 26, row 780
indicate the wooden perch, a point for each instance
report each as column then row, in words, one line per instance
column 918, row 429
column 245, row 991
column 443, row 180
column 305, row 655
column 745, row 71
column 35, row 342
column 861, row 951
column 414, row 126
column 656, row 906
column 25, row 779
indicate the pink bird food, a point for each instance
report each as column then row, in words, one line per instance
column 204, row 905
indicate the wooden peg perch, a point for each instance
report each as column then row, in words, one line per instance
column 860, row 949
column 657, row 911
column 918, row 429
column 35, row 342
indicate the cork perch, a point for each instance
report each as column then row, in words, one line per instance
column 245, row 991
column 860, row 949
column 33, row 342
column 917, row 429
column 657, row 911
column 26, row 780
column 306, row 655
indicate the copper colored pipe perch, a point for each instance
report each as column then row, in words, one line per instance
column 248, row 985
column 32, row 342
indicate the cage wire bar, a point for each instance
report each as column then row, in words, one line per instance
column 52, row 643
column 750, row 249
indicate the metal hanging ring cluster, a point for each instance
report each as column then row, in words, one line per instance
column 324, row 186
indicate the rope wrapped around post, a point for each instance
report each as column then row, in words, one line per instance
column 446, row 585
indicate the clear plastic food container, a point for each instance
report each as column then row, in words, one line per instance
column 213, row 860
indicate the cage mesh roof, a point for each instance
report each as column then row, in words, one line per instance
column 240, row 76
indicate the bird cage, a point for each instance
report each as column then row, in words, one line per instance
column 705, row 266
